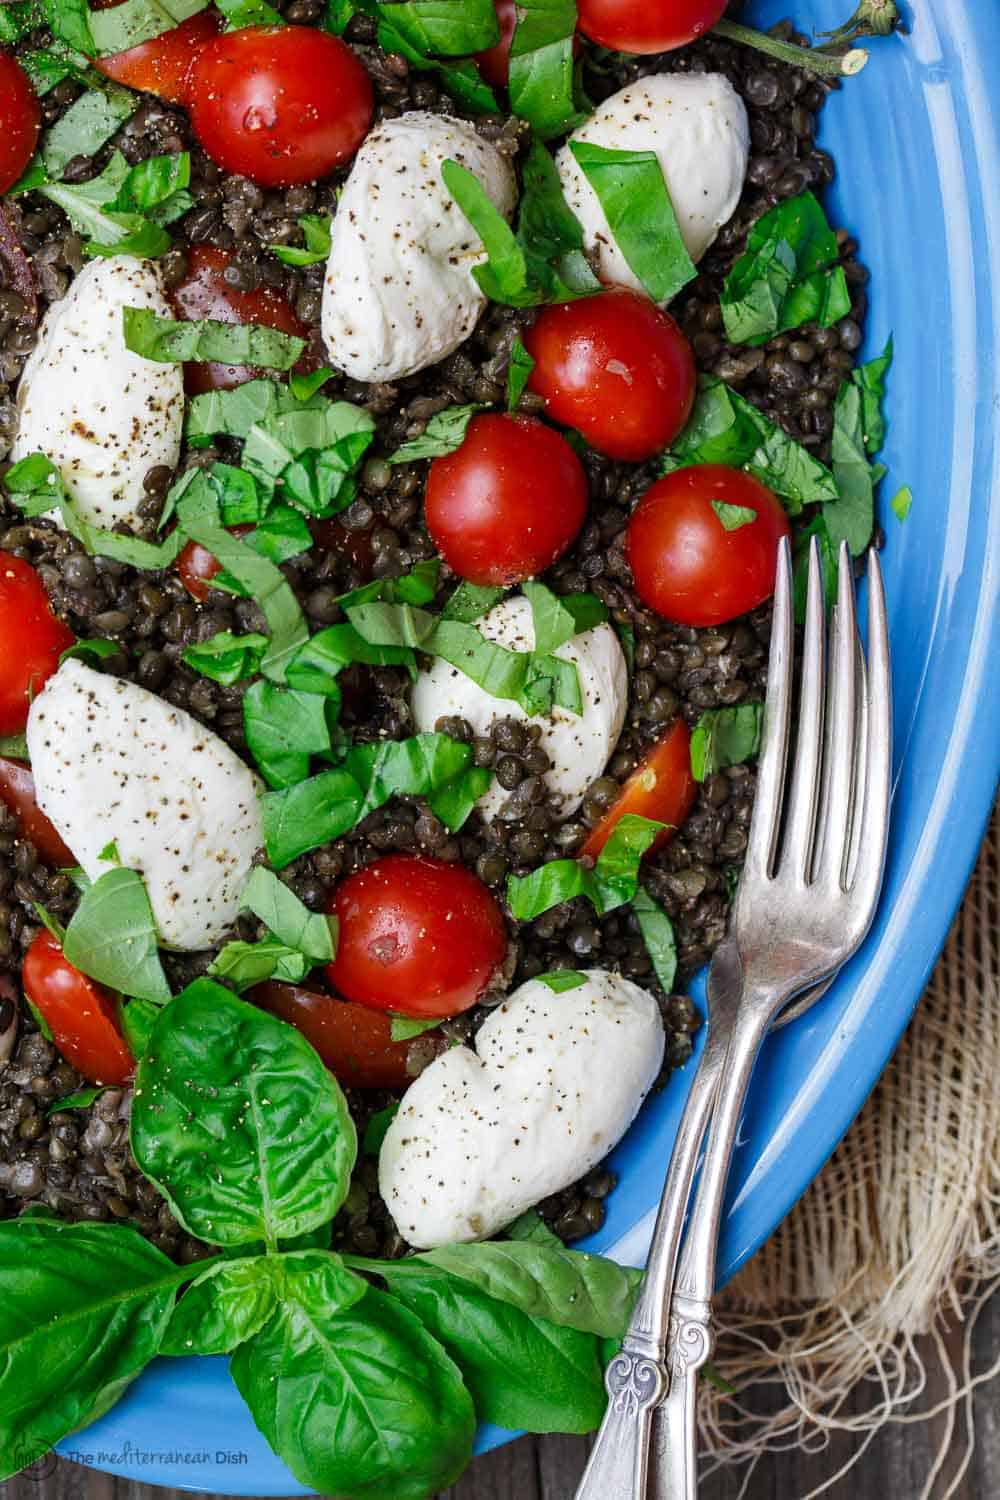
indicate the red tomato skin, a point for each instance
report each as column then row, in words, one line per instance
column 31, row 640
column 17, row 792
column 640, row 27
column 20, row 120
column 617, row 369
column 494, row 62
column 507, row 502
column 686, row 565
column 163, row 66
column 417, row 936
column 205, row 293
column 197, row 566
column 354, row 1042
column 280, row 105
column 80, row 1014
column 661, row 787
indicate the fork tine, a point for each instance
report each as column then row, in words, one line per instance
column 766, row 821
column 878, row 759
column 804, row 795
column 833, row 827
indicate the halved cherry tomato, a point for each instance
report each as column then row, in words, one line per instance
column 80, row 1013
column 507, row 502
column 353, row 1041
column 280, row 104
column 695, row 558
column 197, row 566
column 641, row 26
column 616, row 368
column 417, row 936
column 17, row 791
column 31, row 640
column 163, row 65
column 661, row 787
column 204, row 292
column 20, row 120
column 494, row 62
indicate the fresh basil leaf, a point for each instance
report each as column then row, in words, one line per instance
column 611, row 883
column 404, row 1028
column 83, row 1308
column 110, row 853
column 725, row 737
column 136, row 21
column 231, row 413
column 635, row 200
column 443, row 28
column 242, row 13
column 534, row 679
column 471, row 601
column 541, row 84
column 244, row 964
column 518, row 373
column 453, row 803
column 724, row 428
column 239, row 1123
column 15, row 746
column 86, row 204
column 97, row 650
column 817, row 528
column 870, row 380
column 558, row 618
column 280, row 909
column 228, row 1304
column 361, row 1402
column 225, row 657
column 312, row 448
column 522, row 1372
column 317, row 662
column 313, row 812
column 170, row 342
column 375, row 1130
column 17, row 20
column 284, row 729
column 401, row 625
column 138, row 1017
column 461, row 79
column 46, row 66
column 561, row 980
column 87, row 124
column 69, row 22
column 151, row 185
column 82, row 1099
column 734, row 517
column 530, row 1226
column 444, row 433
column 281, row 535
column 412, row 767
column 112, row 937
column 316, row 233
column 304, row 387
column 852, row 518
column 788, row 275
column 901, row 502
column 658, row 935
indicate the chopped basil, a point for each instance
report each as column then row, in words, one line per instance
column 444, row 433
column 391, row 624
column 453, row 803
column 316, row 664
column 112, row 937
column 284, row 729
column 377, row 1128
column 518, row 373
column 725, row 737
column 311, row 449
column 471, row 601
column 136, row 21
column 82, row 1099
column 557, row 618
column 734, row 517
column 246, row 964
column 14, row 746
column 157, row 187
column 284, row 914
column 870, row 381
column 858, row 432
column 535, row 680
column 69, row 22
column 418, row 586
column 17, row 20
column 232, row 413
column 316, row 234
column 901, row 502
column 404, row 1028
column 658, row 935
column 725, row 428
column 240, row 13
column 304, row 387
column 634, row 197
column 171, row 342
column 225, row 657
column 443, row 29
column 611, row 883
column 561, row 980
column 137, row 1018
column 281, row 535
column 99, row 649
column 788, row 275
column 91, row 209
column 110, row 853
column 87, row 124
column 541, row 82
column 402, row 27
column 47, row 66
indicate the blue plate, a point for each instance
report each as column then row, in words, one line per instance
column 918, row 145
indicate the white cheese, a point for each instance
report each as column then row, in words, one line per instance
column 696, row 124
column 553, row 1085
column 112, row 762
column 579, row 746
column 103, row 415
column 399, row 292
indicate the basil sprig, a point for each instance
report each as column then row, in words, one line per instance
column 170, row 341
column 788, row 275
column 634, row 196
column 725, row 737
column 542, row 75
column 611, row 883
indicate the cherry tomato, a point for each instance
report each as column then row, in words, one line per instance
column 641, row 26
column 204, row 292
column 688, row 565
column 80, row 1013
column 280, row 104
column 353, row 1041
column 197, row 566
column 494, row 62
column 617, row 369
column 31, row 640
column 507, row 502
column 163, row 66
column 17, row 790
column 661, row 787
column 20, row 120
column 417, row 936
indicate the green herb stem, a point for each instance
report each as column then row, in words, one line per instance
column 827, row 65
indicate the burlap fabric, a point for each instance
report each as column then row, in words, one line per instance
column 899, row 1237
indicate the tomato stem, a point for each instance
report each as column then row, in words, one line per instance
column 826, row 64
column 872, row 18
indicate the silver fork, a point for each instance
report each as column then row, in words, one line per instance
column 807, row 897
